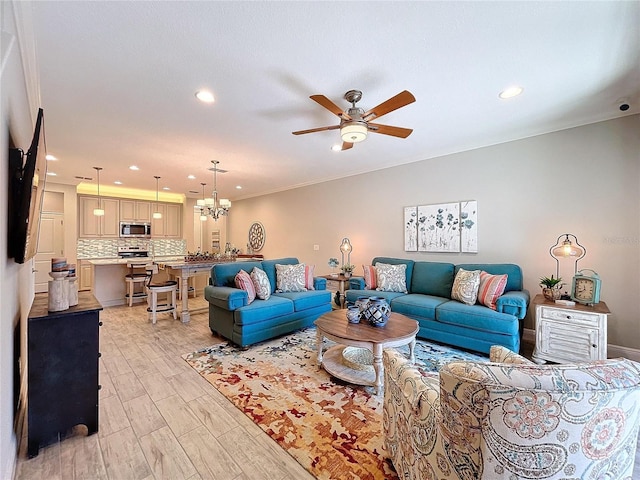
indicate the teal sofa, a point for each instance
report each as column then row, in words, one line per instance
column 473, row 327
column 232, row 317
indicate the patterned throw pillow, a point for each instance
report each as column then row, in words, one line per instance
column 308, row 277
column 491, row 287
column 290, row 278
column 465, row 286
column 243, row 281
column 370, row 282
column 391, row 278
column 261, row 282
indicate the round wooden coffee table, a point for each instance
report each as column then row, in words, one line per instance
column 357, row 358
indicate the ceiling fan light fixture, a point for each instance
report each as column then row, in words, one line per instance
column 353, row 132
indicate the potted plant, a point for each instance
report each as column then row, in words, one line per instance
column 333, row 263
column 551, row 287
column 347, row 270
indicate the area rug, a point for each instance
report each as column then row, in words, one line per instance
column 332, row 429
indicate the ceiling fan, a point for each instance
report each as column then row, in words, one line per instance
column 355, row 123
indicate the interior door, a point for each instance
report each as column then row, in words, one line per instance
column 50, row 244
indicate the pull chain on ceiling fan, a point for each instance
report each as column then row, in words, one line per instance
column 355, row 123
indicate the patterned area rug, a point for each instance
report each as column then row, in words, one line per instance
column 332, row 429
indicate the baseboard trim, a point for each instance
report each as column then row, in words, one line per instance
column 613, row 351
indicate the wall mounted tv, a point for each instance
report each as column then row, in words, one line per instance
column 27, row 176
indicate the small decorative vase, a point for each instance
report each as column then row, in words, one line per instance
column 353, row 314
column 551, row 294
column 347, row 274
column 361, row 303
column 377, row 311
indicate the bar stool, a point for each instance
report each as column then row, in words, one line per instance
column 134, row 278
column 168, row 287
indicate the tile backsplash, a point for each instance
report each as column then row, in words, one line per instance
column 108, row 247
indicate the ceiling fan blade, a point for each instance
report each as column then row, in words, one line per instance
column 389, row 130
column 346, row 145
column 400, row 100
column 329, row 105
column 320, row 129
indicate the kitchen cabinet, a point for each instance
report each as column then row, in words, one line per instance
column 570, row 334
column 91, row 226
column 62, row 375
column 135, row 211
column 85, row 273
column 169, row 226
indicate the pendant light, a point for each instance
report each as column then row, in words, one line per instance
column 98, row 212
column 215, row 207
column 157, row 215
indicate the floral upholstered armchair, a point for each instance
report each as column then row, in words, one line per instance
column 512, row 419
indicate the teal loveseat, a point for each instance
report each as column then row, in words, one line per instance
column 231, row 315
column 473, row 327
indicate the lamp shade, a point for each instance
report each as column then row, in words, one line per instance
column 225, row 203
column 353, row 132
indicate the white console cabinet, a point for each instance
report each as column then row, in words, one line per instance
column 570, row 334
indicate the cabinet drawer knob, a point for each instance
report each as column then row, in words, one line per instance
column 568, row 317
column 99, row 324
column 99, row 354
column 594, row 345
column 99, row 387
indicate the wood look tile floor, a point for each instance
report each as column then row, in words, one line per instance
column 160, row 420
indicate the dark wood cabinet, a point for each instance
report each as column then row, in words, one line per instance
column 63, row 352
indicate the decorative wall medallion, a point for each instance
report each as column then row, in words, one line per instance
column 257, row 236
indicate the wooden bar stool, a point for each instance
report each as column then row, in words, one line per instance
column 137, row 276
column 168, row 287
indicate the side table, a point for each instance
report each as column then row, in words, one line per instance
column 341, row 279
column 567, row 334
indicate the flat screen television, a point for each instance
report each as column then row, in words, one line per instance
column 26, row 189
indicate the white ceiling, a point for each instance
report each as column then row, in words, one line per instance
column 118, row 82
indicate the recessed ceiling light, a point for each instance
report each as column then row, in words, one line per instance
column 134, row 167
column 191, row 177
column 52, row 174
column 239, row 187
column 337, row 148
column 118, row 182
column 166, row 188
column 50, row 157
column 510, row 92
column 205, row 96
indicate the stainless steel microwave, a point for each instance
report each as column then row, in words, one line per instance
column 139, row 230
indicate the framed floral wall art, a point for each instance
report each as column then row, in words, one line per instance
column 443, row 227
column 410, row 229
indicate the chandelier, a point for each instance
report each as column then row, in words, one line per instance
column 212, row 206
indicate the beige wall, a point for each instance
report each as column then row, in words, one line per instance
column 19, row 100
column 584, row 181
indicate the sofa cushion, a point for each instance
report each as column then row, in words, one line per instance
column 262, row 284
column 433, row 278
column 370, row 282
column 397, row 261
column 391, row 278
column 290, row 278
column 465, row 286
column 262, row 310
column 308, row 277
column 417, row 305
column 491, row 287
column 306, row 300
column 513, row 272
column 243, row 282
column 477, row 317
column 269, row 267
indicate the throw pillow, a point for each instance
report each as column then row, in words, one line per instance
column 308, row 277
column 370, row 282
column 491, row 287
column 391, row 278
column 243, row 281
column 261, row 282
column 465, row 286
column 290, row 278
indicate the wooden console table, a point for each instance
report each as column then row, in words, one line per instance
column 62, row 349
